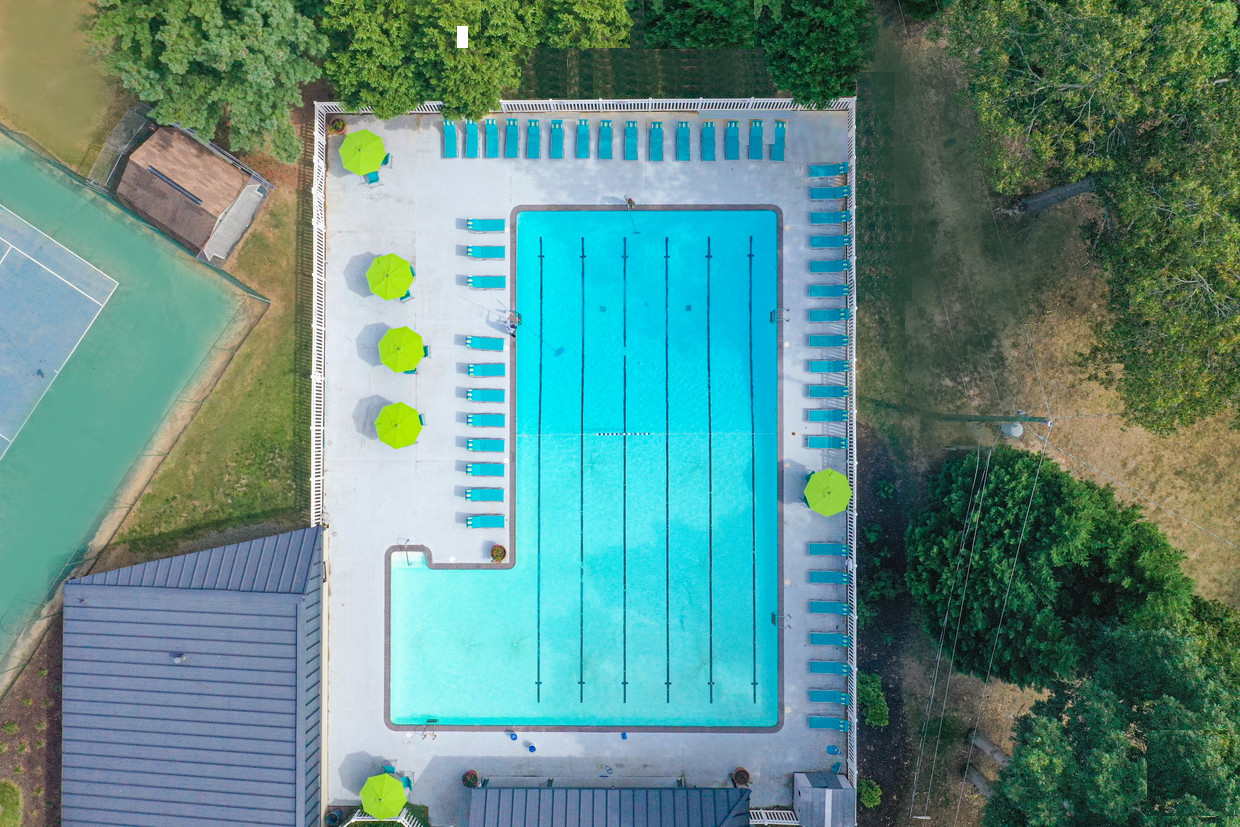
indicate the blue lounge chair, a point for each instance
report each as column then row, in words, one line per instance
column 826, row 391
column 484, row 469
column 827, row 578
column 755, row 140
column 485, row 394
column 827, row 415
column 656, row 141
column 825, row 638
column 449, row 139
column 557, row 139
column 828, row 193
column 828, row 549
column 827, row 241
column 484, row 342
column 533, row 139
column 484, row 495
column 682, row 141
column 828, row 291
column 824, row 170
column 630, row 140
column 835, row 266
column 471, row 138
column 485, row 252
column 485, row 225
column 777, row 148
column 827, row 667
column 485, row 521
column 488, row 282
column 490, row 446
column 820, row 722
column 512, row 139
column 828, row 341
column 828, row 607
column 492, row 148
column 604, row 141
column 828, row 696
column 732, row 141
column 485, row 420
column 708, row 140
column 829, row 314
column 371, row 178
column 488, row 369
column 838, row 217
column 828, row 366
column 583, row 139
column 826, row 443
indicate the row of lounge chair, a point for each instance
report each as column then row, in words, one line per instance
column 606, row 140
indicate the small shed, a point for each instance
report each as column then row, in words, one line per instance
column 191, row 191
column 604, row 807
column 824, row 799
column 191, row 688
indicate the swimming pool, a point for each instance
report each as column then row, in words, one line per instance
column 646, row 491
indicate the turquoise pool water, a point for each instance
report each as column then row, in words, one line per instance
column 646, row 491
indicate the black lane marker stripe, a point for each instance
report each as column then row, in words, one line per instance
column 667, row 472
column 542, row 341
column 710, row 490
column 581, row 504
column 753, row 482
column 624, row 500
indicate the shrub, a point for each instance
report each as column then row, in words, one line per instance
column 869, row 793
column 10, row 728
column 872, row 700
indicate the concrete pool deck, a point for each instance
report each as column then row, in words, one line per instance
column 374, row 497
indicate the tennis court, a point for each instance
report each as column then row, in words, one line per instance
column 49, row 298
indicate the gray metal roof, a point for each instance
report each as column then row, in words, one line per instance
column 660, row 807
column 191, row 688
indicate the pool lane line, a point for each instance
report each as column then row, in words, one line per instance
column 624, row 453
column 581, row 502
column 667, row 473
column 538, row 485
column 753, row 484
column 710, row 492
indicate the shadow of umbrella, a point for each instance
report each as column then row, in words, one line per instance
column 368, row 343
column 365, row 413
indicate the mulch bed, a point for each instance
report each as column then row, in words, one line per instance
column 30, row 732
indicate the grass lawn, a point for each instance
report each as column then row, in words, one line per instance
column 242, row 460
column 51, row 87
column 10, row 805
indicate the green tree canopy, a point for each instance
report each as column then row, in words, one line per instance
column 814, row 49
column 1151, row 737
column 701, row 24
column 391, row 55
column 1060, row 85
column 1084, row 559
column 207, row 63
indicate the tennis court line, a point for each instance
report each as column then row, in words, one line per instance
column 57, row 275
column 58, row 244
column 6, row 252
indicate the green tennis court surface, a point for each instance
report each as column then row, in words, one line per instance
column 119, row 320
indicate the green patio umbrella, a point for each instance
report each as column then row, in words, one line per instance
column 389, row 276
column 383, row 796
column 398, row 425
column 828, row 492
column 401, row 349
column 362, row 152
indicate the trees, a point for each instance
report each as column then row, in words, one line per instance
column 814, row 49
column 869, row 794
column 204, row 63
column 701, row 24
column 370, row 40
column 1150, row 737
column 586, row 24
column 872, row 701
column 1084, row 559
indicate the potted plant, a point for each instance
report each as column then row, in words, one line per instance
column 498, row 553
column 470, row 778
column 336, row 126
column 740, row 777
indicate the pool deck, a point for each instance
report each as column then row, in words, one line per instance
column 375, row 497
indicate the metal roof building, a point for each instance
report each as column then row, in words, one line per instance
column 191, row 688
column 575, row 807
